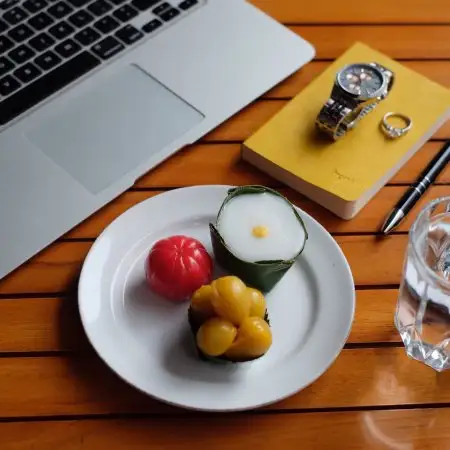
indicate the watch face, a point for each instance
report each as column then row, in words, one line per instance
column 361, row 80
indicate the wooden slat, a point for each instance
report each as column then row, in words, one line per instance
column 374, row 315
column 411, row 170
column 221, row 164
column 56, row 269
column 368, row 220
column 205, row 164
column 53, row 324
column 438, row 71
column 399, row 42
column 41, row 325
column 322, row 11
column 84, row 385
column 247, row 122
column 375, row 430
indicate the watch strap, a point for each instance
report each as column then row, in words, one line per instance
column 331, row 118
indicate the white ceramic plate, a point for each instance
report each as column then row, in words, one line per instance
column 146, row 340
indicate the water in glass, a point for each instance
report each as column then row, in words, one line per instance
column 423, row 310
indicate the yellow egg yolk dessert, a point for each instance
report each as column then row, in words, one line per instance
column 201, row 303
column 254, row 339
column 260, row 231
column 229, row 299
column 215, row 336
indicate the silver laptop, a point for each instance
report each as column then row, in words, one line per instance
column 94, row 93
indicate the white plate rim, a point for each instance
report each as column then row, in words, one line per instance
column 313, row 378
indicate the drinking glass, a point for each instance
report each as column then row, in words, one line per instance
column 423, row 308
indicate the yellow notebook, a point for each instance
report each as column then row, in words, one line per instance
column 344, row 175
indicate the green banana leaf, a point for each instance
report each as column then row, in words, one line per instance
column 262, row 275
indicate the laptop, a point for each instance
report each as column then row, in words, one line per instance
column 94, row 93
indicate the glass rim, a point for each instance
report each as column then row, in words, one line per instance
column 414, row 242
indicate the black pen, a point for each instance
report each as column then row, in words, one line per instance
column 415, row 191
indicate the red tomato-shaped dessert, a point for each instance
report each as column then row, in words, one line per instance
column 177, row 266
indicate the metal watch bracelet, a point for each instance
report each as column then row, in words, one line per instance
column 336, row 117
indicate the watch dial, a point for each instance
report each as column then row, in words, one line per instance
column 361, row 80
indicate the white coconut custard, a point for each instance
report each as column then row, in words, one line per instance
column 261, row 227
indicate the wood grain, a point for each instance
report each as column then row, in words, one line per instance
column 375, row 430
column 374, row 317
column 83, row 385
column 250, row 119
column 368, row 220
column 56, row 269
column 69, row 380
column 323, row 11
column 41, row 325
column 438, row 71
column 399, row 42
column 221, row 164
column 53, row 324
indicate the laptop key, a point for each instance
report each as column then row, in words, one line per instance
column 108, row 47
column 142, row 5
column 41, row 42
column 8, row 85
column 60, row 10
column 129, row 35
column 169, row 14
column 47, row 85
column 81, row 18
column 187, row 4
column 67, row 48
column 3, row 26
column 28, row 72
column 5, row 44
column 5, row 65
column 6, row 4
column 34, row 5
column 15, row 15
column 40, row 21
column 87, row 36
column 21, row 54
column 125, row 13
column 47, row 60
column 161, row 8
column 61, row 30
column 152, row 25
column 20, row 33
column 106, row 24
column 99, row 7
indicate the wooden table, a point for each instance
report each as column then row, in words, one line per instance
column 55, row 393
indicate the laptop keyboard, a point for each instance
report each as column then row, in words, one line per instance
column 47, row 44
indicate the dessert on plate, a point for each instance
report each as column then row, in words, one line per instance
column 229, row 321
column 258, row 235
column 177, row 266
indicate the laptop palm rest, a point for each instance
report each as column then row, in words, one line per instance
column 95, row 138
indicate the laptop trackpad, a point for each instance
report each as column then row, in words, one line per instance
column 113, row 128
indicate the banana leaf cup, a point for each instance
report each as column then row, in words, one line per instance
column 261, row 275
column 195, row 324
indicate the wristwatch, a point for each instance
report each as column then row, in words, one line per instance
column 357, row 90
